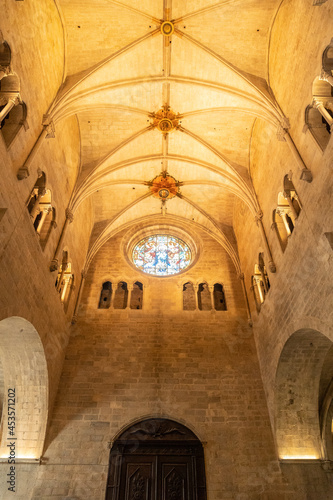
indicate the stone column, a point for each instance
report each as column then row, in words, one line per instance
column 271, row 264
column 323, row 111
column 260, row 289
column 211, row 290
column 249, row 317
column 263, row 278
column 326, row 77
column 78, row 298
column 35, row 208
column 282, row 214
column 47, row 132
column 129, row 295
column 283, row 135
column 12, row 101
column 46, row 211
column 290, row 203
column 69, row 219
column 67, row 279
column 63, row 269
column 196, row 291
column 113, row 294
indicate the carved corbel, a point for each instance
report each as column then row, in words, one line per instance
column 69, row 215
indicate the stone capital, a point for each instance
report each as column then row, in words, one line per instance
column 241, row 276
column 272, row 266
column 7, row 70
column 258, row 217
column 54, row 265
column 317, row 103
column 50, row 130
column 84, row 274
column 324, row 75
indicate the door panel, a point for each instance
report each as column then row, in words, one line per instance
column 137, row 478
column 175, row 480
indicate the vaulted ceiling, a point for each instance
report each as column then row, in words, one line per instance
column 123, row 66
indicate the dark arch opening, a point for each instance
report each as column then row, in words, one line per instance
column 156, row 459
column 189, row 303
column 219, row 298
column 5, row 54
column 137, row 296
column 105, row 297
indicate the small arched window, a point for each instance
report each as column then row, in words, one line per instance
column 120, row 296
column 319, row 115
column 137, row 296
column 204, row 298
column 5, row 59
column 219, row 298
column 189, row 303
column 105, row 297
column 263, row 272
column 292, row 197
column 41, row 211
column 13, row 112
column 258, row 288
column 65, row 280
column 286, row 213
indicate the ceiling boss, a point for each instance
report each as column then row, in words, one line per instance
column 164, row 186
column 165, row 120
column 167, row 28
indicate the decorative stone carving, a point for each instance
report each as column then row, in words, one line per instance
column 164, row 186
column 69, row 215
column 165, row 120
column 167, row 28
column 50, row 129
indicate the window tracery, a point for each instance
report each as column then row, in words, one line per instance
column 161, row 255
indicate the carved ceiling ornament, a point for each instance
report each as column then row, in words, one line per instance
column 164, row 186
column 167, row 28
column 165, row 120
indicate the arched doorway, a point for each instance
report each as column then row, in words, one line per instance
column 156, row 459
column 24, row 388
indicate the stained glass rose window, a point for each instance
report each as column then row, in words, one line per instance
column 161, row 255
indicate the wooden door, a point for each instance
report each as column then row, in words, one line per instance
column 164, row 462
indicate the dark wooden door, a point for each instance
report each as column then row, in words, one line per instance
column 157, row 463
column 156, row 478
